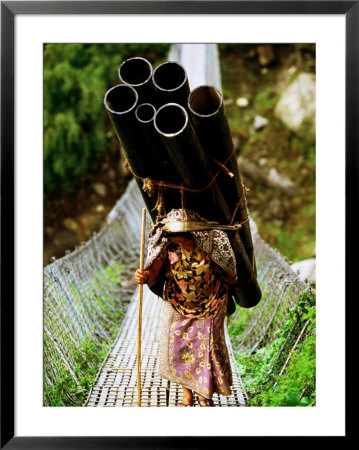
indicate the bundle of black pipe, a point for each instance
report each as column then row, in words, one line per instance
column 121, row 102
column 163, row 145
column 207, row 112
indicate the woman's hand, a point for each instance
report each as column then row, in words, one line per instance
column 142, row 276
column 147, row 276
column 231, row 280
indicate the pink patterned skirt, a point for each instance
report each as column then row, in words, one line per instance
column 194, row 353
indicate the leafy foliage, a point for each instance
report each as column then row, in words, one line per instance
column 88, row 357
column 76, row 77
column 89, row 354
column 261, row 372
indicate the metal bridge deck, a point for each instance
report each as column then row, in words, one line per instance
column 116, row 380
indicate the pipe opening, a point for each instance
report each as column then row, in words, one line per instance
column 171, row 119
column 205, row 100
column 169, row 76
column 135, row 71
column 120, row 99
column 145, row 112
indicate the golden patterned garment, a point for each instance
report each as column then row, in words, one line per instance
column 195, row 284
column 193, row 352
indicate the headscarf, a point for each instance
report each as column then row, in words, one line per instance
column 208, row 238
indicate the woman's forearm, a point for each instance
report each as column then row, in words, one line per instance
column 154, row 270
column 149, row 275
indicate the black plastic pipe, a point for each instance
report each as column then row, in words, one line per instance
column 137, row 72
column 207, row 112
column 170, row 83
column 121, row 102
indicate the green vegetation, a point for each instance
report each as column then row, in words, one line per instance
column 266, row 99
column 85, row 358
column 261, row 370
column 88, row 357
column 293, row 232
column 76, row 77
column 290, row 227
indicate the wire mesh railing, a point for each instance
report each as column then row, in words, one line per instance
column 86, row 292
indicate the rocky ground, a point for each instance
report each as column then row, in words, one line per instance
column 269, row 94
column 70, row 218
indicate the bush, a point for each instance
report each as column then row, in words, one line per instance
column 88, row 358
column 76, row 77
column 261, row 370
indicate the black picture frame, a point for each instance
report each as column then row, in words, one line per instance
column 9, row 10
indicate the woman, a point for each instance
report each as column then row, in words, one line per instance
column 190, row 264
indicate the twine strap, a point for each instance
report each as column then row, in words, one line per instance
column 244, row 192
column 149, row 184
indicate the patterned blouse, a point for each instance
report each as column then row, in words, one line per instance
column 195, row 285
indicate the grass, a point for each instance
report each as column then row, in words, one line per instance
column 71, row 382
column 66, row 391
column 261, row 371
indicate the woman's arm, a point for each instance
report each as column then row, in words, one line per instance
column 147, row 276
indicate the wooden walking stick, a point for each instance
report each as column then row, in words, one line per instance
column 140, row 295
